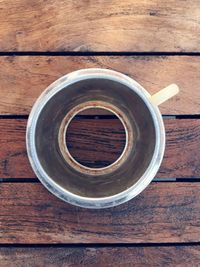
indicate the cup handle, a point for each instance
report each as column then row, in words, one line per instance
column 164, row 94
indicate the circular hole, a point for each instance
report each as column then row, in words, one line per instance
column 95, row 138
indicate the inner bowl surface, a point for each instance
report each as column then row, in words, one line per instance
column 91, row 185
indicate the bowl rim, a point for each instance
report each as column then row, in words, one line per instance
column 56, row 189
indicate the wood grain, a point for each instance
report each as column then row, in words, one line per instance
column 96, row 142
column 164, row 212
column 128, row 25
column 24, row 78
column 101, row 257
column 181, row 158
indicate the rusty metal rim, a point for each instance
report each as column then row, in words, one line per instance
column 71, row 160
column 66, row 195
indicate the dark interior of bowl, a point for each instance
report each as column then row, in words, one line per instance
column 49, row 121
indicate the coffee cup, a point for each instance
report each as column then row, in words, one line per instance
column 144, row 146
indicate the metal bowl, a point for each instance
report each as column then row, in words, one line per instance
column 61, row 173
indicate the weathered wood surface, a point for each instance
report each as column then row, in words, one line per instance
column 101, row 257
column 164, row 212
column 24, row 78
column 128, row 25
column 181, row 158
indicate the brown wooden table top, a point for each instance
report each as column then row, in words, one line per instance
column 156, row 43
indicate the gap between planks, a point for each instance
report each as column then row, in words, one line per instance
column 99, row 245
column 93, row 53
column 165, row 117
column 155, row 180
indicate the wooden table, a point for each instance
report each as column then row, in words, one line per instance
column 154, row 42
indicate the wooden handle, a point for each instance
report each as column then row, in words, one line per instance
column 164, row 94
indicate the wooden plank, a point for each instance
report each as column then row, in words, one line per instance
column 94, row 142
column 13, row 156
column 24, row 78
column 164, row 212
column 102, row 256
column 128, row 25
column 181, row 158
